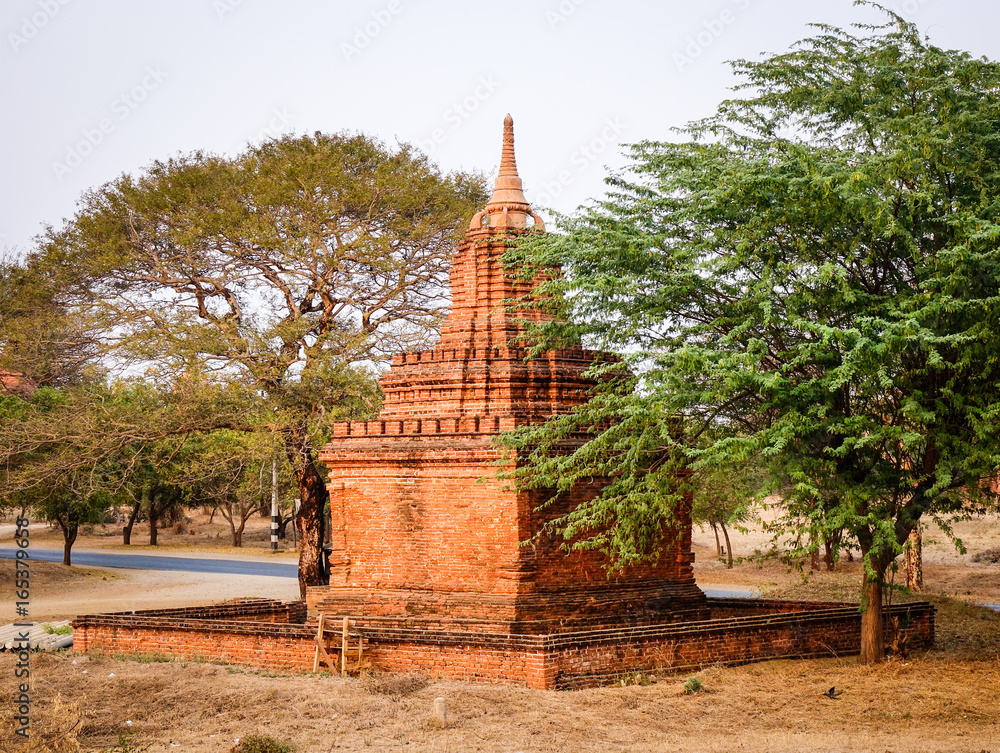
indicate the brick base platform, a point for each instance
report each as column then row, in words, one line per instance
column 271, row 634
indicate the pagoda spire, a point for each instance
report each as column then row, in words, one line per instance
column 508, row 206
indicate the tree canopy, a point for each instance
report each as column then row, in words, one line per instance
column 283, row 273
column 811, row 279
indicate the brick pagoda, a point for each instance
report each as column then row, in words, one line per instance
column 428, row 561
column 423, row 535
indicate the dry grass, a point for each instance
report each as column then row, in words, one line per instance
column 54, row 727
column 942, row 701
column 927, row 703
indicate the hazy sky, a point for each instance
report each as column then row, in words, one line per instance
column 95, row 88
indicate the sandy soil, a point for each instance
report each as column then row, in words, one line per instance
column 947, row 571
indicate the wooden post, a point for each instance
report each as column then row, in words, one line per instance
column 343, row 647
column 319, row 643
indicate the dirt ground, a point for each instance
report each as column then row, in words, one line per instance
column 947, row 571
column 945, row 700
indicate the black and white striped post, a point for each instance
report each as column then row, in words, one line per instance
column 275, row 518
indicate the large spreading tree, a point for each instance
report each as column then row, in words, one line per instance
column 811, row 278
column 286, row 272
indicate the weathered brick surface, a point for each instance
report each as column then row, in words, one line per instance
column 767, row 629
column 420, row 525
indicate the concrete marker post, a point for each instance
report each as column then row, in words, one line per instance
column 441, row 712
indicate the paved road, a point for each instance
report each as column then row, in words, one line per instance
column 235, row 567
column 247, row 567
column 165, row 562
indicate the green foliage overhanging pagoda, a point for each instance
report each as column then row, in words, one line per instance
column 811, row 278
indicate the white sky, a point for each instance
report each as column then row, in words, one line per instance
column 95, row 88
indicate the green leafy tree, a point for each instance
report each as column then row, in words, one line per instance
column 38, row 337
column 723, row 498
column 811, row 276
column 70, row 509
column 119, row 440
column 67, row 494
column 229, row 471
column 286, row 270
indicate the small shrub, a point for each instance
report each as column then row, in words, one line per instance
column 693, row 685
column 51, row 629
column 991, row 556
column 126, row 744
column 260, row 744
column 635, row 678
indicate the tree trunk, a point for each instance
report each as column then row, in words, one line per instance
column 718, row 546
column 829, row 546
column 310, row 520
column 154, row 514
column 238, row 533
column 70, row 531
column 814, row 555
column 226, row 508
column 872, row 643
column 127, row 530
column 913, row 560
column 729, row 547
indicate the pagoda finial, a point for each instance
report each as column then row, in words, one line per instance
column 508, row 206
column 507, row 191
column 508, row 164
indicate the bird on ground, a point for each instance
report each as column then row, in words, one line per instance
column 833, row 693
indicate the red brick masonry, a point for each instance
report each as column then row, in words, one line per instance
column 424, row 535
column 275, row 635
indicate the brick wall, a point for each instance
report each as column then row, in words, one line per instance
column 790, row 632
column 418, row 529
column 568, row 660
column 238, row 610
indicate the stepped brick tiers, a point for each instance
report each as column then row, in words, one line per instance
column 429, row 563
column 422, row 533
